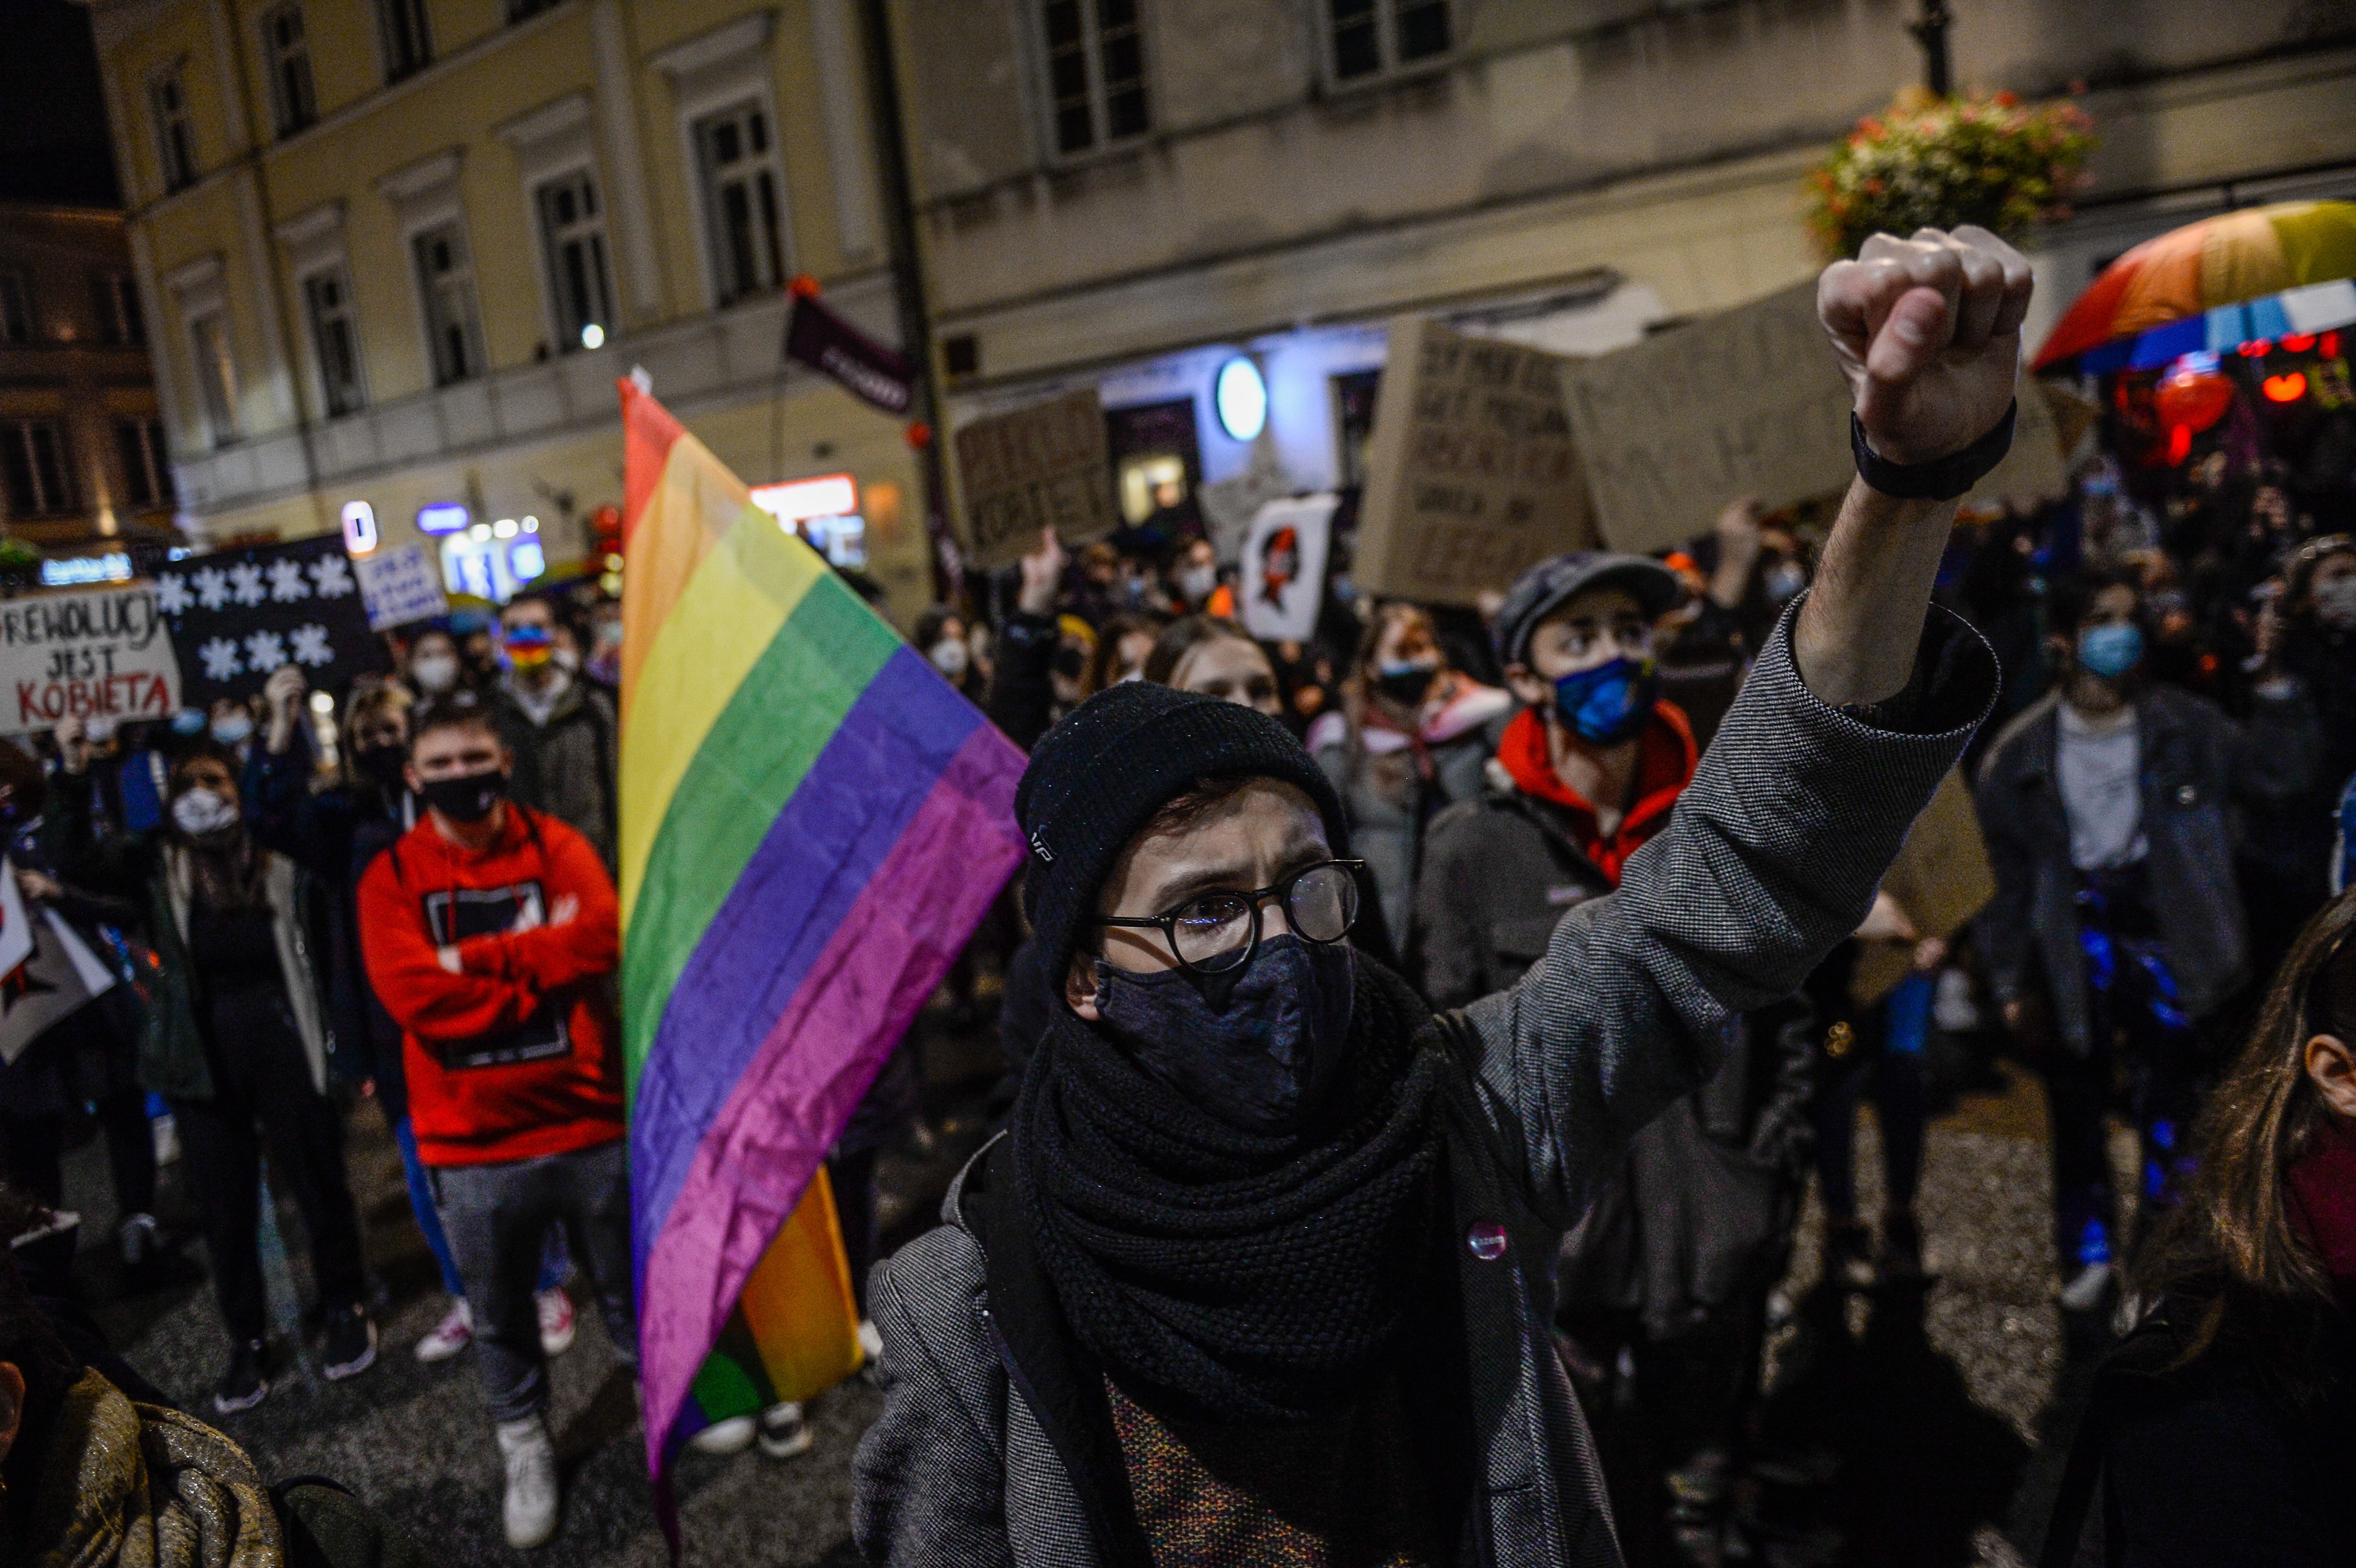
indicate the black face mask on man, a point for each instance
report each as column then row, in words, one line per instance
column 1256, row 1050
column 468, row 797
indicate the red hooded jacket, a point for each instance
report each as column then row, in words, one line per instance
column 518, row 1054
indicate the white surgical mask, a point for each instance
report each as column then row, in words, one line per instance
column 1195, row 583
column 436, row 672
column 2335, row 603
column 231, row 728
column 202, row 811
column 948, row 656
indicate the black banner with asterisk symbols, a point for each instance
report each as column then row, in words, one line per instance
column 238, row 615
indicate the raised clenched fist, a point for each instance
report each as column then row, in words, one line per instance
column 1928, row 331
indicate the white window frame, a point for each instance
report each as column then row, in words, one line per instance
column 200, row 292
column 587, row 231
column 315, row 248
column 729, row 67
column 432, row 294
column 293, row 108
column 154, row 461
column 554, row 144
column 1386, row 44
column 1091, row 50
column 425, row 197
column 758, row 171
column 21, row 431
column 418, row 12
column 175, row 158
column 121, row 322
column 319, row 318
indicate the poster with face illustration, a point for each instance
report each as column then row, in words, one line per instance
column 1284, row 568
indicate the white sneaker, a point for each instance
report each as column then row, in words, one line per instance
column 2084, row 1291
column 556, row 1321
column 784, row 1433
column 530, row 1509
column 733, row 1435
column 452, row 1335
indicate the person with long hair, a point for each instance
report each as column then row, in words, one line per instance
column 1214, row 657
column 2222, row 1430
column 1410, row 735
column 237, row 1040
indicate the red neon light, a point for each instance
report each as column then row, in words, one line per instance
column 2257, row 350
column 2179, row 442
column 2284, row 388
column 2331, row 344
column 2298, row 343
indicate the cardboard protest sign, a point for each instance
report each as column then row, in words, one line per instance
column 85, row 655
column 1047, row 466
column 1941, row 879
column 1470, row 472
column 399, row 585
column 56, row 974
column 2033, row 472
column 1747, row 403
column 1284, row 568
column 238, row 615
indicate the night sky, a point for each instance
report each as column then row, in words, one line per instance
column 52, row 113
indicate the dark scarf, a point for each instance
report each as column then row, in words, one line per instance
column 1226, row 1276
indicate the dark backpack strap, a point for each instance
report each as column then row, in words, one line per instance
column 2080, row 1475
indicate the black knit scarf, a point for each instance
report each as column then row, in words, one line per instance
column 1226, row 1276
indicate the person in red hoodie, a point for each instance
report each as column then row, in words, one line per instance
column 1664, row 1268
column 492, row 935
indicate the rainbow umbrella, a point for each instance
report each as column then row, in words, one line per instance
column 2214, row 285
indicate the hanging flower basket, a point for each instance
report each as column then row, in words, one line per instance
column 1985, row 159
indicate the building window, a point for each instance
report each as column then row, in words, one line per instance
column 118, row 320
column 402, row 35
column 519, row 10
column 335, row 338
column 15, row 308
column 573, row 235
column 33, row 457
column 216, row 376
column 175, row 133
column 1371, row 37
column 1096, row 72
column 740, row 183
column 286, row 56
column 147, row 471
column 445, row 277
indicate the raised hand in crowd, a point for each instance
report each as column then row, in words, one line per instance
column 1043, row 576
column 284, row 691
column 1736, row 531
column 72, row 739
column 1928, row 332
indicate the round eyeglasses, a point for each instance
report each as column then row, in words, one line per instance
column 1215, row 933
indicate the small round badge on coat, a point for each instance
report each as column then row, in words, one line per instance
column 1487, row 1240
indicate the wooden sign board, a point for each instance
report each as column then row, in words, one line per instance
column 1746, row 403
column 1471, row 475
column 1941, row 879
column 1047, row 466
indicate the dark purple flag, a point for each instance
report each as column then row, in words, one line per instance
column 826, row 343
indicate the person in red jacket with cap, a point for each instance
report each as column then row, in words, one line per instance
column 491, row 933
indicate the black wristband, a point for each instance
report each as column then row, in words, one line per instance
column 1943, row 480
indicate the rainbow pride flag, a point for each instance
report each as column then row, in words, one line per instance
column 812, row 824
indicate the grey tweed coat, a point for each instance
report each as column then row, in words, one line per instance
column 1772, row 856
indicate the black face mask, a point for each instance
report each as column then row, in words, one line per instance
column 468, row 797
column 1262, row 1060
column 1407, row 686
column 380, row 764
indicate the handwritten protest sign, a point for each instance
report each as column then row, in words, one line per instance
column 1746, row 403
column 1284, row 568
column 238, row 615
column 1044, row 466
column 84, row 656
column 398, row 586
column 1470, row 473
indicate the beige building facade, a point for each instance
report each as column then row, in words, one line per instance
column 1130, row 194
column 397, row 252
column 84, row 468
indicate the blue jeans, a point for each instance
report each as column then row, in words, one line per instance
column 555, row 1262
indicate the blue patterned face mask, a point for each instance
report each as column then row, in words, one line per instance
column 2110, row 652
column 1610, row 703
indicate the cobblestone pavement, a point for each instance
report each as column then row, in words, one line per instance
column 1924, row 1420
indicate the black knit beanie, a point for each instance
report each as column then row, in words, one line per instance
column 1100, row 775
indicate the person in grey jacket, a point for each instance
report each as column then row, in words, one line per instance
column 1259, row 1271
column 2109, row 809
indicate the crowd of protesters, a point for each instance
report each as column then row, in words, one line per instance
column 418, row 906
